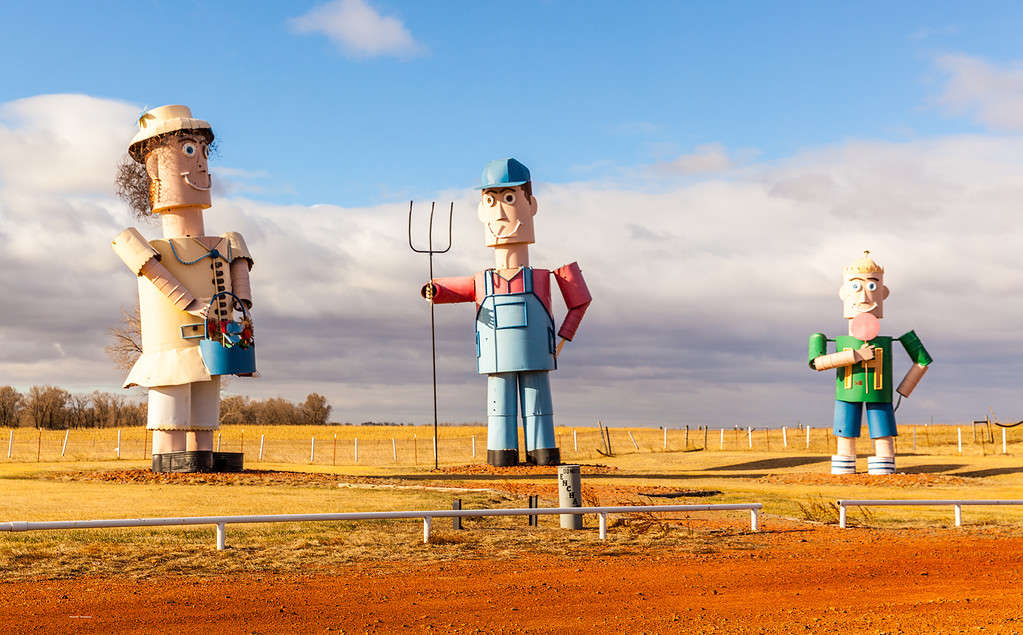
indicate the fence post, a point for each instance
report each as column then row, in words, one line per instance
column 749, row 431
column 1003, row 444
column 706, row 430
column 636, row 445
column 118, row 443
column 722, row 438
column 219, row 434
column 261, row 438
column 10, row 442
column 39, row 445
column 394, row 449
column 687, row 437
column 807, row 437
column 474, row 446
column 356, row 450
column 63, row 448
column 312, row 449
column 435, row 449
column 959, row 515
column 784, row 438
column 575, row 440
column 959, row 433
column 665, row 437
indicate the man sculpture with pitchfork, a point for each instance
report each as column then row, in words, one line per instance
column 516, row 344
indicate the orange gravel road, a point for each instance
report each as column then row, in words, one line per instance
column 796, row 580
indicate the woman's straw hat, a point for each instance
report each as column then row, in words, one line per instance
column 165, row 120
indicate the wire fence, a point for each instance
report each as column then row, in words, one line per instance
column 413, row 445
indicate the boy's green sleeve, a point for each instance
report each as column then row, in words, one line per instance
column 818, row 347
column 915, row 349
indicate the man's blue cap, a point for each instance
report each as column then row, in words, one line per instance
column 503, row 173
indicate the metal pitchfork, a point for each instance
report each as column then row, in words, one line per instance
column 433, row 334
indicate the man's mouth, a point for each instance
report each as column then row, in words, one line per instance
column 209, row 179
column 864, row 307
column 499, row 235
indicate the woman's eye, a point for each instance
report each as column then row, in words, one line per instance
column 489, row 200
column 509, row 198
column 188, row 149
column 856, row 286
column 872, row 286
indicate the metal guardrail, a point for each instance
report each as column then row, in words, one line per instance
column 221, row 522
column 958, row 504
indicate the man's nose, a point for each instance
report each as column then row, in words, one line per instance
column 500, row 213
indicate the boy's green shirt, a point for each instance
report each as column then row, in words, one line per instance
column 871, row 381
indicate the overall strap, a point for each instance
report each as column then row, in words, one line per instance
column 527, row 280
column 488, row 282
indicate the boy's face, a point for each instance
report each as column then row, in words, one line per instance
column 863, row 293
column 180, row 172
column 507, row 216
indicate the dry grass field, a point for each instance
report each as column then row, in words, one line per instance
column 658, row 569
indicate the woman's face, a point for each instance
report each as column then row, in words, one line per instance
column 179, row 173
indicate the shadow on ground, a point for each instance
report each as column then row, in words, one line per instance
column 994, row 471
column 771, row 464
column 931, row 469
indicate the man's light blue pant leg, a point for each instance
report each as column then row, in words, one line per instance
column 502, row 432
column 538, row 417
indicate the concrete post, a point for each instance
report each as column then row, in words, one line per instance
column 570, row 494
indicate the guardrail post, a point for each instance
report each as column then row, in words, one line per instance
column 841, row 515
column 754, row 514
column 221, row 536
column 602, row 521
column 959, row 515
column 426, row 530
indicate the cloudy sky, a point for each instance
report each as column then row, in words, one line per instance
column 711, row 168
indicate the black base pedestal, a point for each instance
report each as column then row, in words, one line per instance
column 198, row 461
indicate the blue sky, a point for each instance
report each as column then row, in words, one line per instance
column 712, row 166
column 579, row 90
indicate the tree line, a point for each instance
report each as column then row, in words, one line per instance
column 54, row 408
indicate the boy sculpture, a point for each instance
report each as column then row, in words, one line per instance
column 178, row 276
column 515, row 337
column 864, row 369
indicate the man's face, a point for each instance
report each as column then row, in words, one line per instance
column 178, row 168
column 863, row 293
column 507, row 216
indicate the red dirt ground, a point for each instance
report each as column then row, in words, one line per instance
column 815, row 579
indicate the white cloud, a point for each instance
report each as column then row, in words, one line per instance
column 711, row 157
column 991, row 94
column 704, row 294
column 358, row 29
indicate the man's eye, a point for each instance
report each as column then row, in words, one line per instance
column 872, row 286
column 509, row 198
column 855, row 286
column 489, row 200
column 206, row 151
column 188, row 149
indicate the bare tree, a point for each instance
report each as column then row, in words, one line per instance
column 127, row 336
column 11, row 404
column 47, row 407
column 236, row 410
column 315, row 410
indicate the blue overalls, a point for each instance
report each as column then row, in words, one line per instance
column 515, row 346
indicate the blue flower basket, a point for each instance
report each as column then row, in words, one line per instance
column 223, row 354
